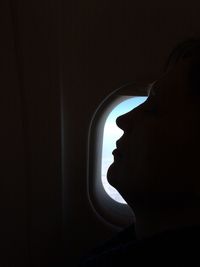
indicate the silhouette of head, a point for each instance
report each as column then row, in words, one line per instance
column 157, row 159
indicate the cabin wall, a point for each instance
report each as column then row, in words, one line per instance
column 14, row 208
column 31, row 198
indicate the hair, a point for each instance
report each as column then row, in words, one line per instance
column 187, row 49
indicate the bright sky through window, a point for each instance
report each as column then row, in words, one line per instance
column 111, row 134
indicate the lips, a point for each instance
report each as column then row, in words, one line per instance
column 117, row 154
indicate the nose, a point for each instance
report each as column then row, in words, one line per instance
column 124, row 122
column 128, row 120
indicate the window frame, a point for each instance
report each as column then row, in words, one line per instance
column 111, row 212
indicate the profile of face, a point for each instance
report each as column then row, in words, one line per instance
column 156, row 159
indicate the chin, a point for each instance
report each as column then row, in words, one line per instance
column 113, row 175
column 110, row 174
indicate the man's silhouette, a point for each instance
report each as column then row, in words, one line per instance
column 156, row 169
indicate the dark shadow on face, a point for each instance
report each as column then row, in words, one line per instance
column 155, row 157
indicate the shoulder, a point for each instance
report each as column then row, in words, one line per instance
column 111, row 250
column 170, row 248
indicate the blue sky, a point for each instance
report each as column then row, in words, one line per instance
column 111, row 134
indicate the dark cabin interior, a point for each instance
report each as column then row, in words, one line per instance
column 59, row 60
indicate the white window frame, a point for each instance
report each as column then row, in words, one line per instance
column 110, row 211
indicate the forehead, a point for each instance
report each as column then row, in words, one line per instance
column 175, row 81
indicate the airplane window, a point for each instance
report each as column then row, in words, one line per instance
column 110, row 135
column 103, row 133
